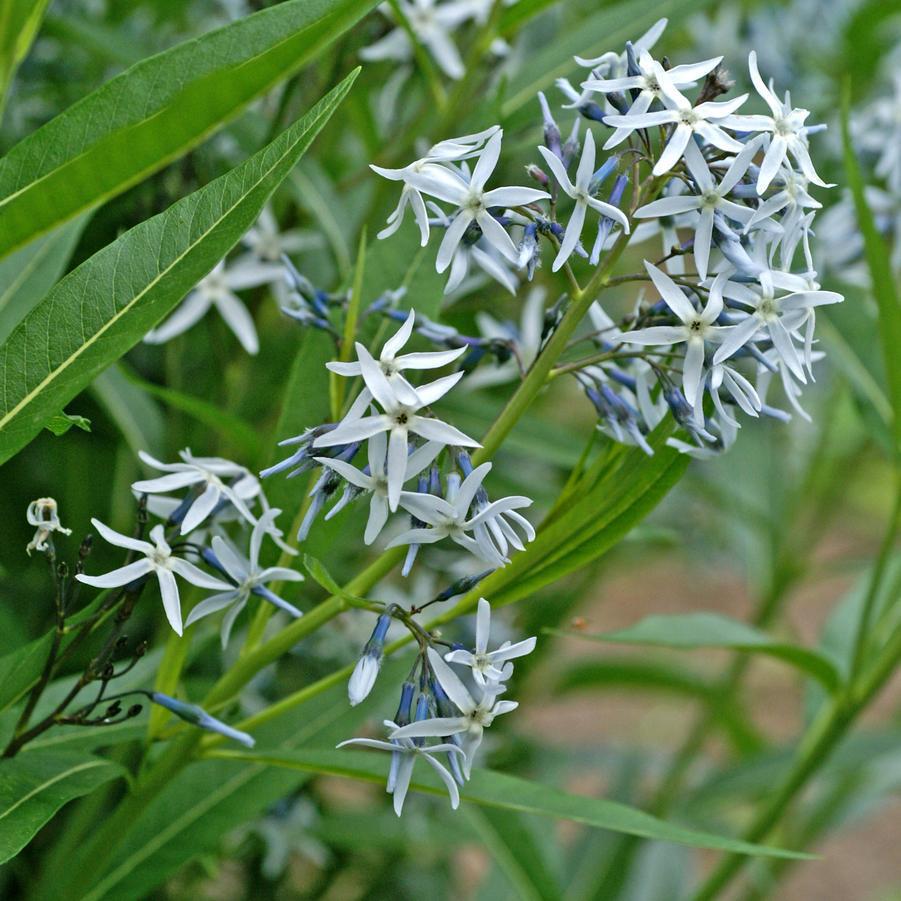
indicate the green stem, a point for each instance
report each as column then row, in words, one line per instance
column 885, row 552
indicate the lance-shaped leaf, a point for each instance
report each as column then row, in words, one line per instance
column 155, row 111
column 108, row 304
column 34, row 785
column 19, row 23
column 494, row 789
column 713, row 630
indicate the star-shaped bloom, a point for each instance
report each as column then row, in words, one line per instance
column 269, row 244
column 218, row 290
column 488, row 666
column 376, row 480
column 400, row 418
column 789, row 134
column 249, row 578
column 393, row 365
column 209, row 472
column 450, row 517
column 695, row 327
column 476, row 713
column 711, row 197
column 650, row 80
column 473, row 203
column 433, row 24
column 775, row 316
column 408, row 752
column 159, row 560
column 44, row 516
column 447, row 151
column 579, row 191
column 688, row 120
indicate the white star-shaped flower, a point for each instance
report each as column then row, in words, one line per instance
column 789, row 134
column 695, row 328
column 703, row 119
column 401, row 405
column 376, row 480
column 218, row 290
column 406, row 752
column 711, row 197
column 488, row 666
column 159, row 560
column 476, row 714
column 579, row 191
column 450, row 517
column 212, row 473
column 249, row 578
column 473, row 202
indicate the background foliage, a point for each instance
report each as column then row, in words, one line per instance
column 774, row 542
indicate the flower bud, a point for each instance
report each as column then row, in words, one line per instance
column 367, row 669
column 197, row 716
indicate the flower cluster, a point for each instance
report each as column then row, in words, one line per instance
column 436, row 703
column 221, row 493
column 728, row 188
column 403, row 442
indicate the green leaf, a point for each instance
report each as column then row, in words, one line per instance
column 28, row 274
column 65, row 341
column 19, row 23
column 323, row 577
column 612, row 497
column 61, row 423
column 712, row 630
column 157, row 110
column 500, row 790
column 881, row 275
column 34, row 786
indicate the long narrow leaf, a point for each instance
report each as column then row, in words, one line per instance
column 108, row 304
column 156, row 111
column 500, row 790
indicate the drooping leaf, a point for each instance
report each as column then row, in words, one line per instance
column 500, row 790
column 155, row 111
column 19, row 24
column 713, row 630
column 34, row 786
column 108, row 304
